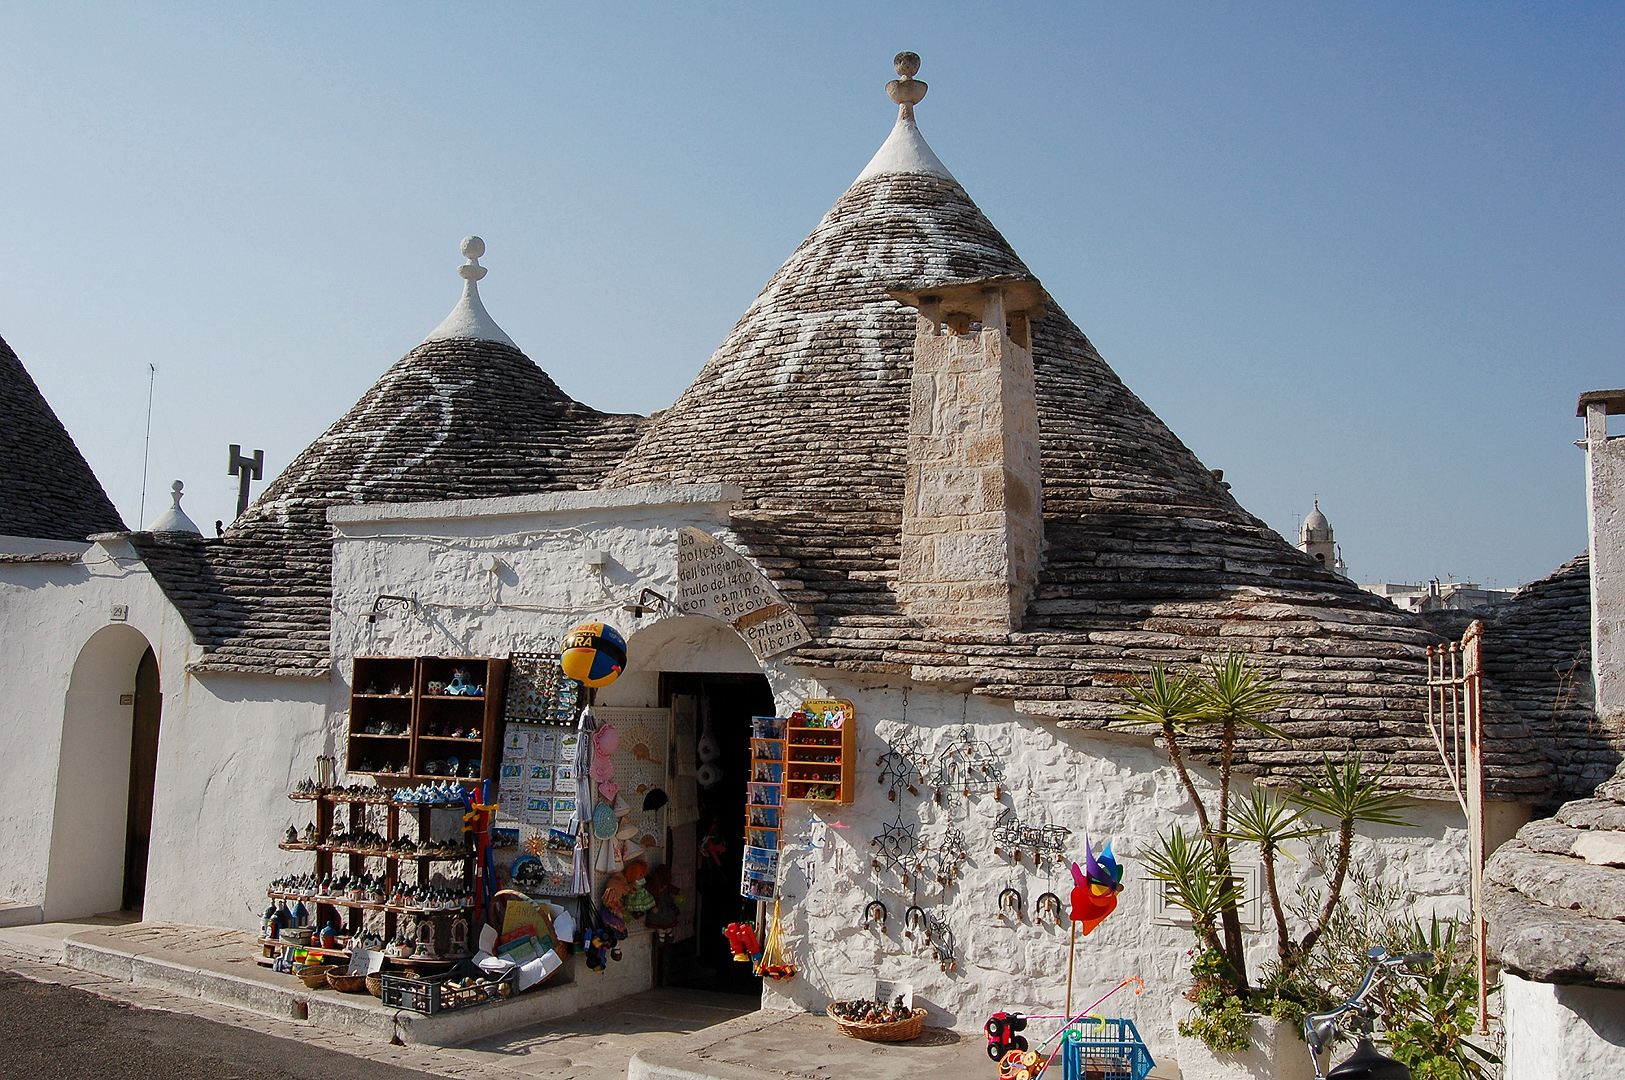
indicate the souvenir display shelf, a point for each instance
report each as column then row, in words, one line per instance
column 819, row 752
column 764, row 807
column 347, row 915
column 403, row 729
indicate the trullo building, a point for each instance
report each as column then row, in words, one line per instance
column 916, row 487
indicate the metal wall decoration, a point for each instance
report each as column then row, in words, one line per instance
column 902, row 766
column 898, row 847
column 967, row 765
column 943, row 860
column 1010, row 905
column 875, row 914
column 935, row 933
column 1014, row 835
column 1048, row 904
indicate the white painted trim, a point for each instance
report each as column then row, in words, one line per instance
column 552, row 502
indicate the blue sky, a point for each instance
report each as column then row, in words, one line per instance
column 1367, row 252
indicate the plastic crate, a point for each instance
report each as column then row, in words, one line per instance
column 431, row 995
column 1108, row 1049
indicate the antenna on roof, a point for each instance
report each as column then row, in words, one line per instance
column 146, row 450
column 245, row 469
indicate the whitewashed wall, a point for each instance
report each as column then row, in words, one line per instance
column 227, row 749
column 1120, row 788
column 494, row 576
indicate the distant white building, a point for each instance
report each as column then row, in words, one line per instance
column 1315, row 540
column 1436, row 595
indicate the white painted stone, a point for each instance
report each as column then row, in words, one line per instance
column 904, row 151
column 1561, row 1031
column 1601, row 848
column 1278, row 1053
column 469, row 321
column 1605, row 513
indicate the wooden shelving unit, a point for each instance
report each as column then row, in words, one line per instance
column 399, row 729
column 820, row 751
column 349, row 914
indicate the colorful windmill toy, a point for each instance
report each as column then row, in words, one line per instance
column 1096, row 887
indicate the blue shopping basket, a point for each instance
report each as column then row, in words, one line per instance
column 1104, row 1049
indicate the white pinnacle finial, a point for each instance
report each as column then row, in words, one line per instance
column 469, row 321
column 905, row 151
column 473, row 248
column 174, row 520
column 906, row 90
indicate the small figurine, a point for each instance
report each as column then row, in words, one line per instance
column 459, row 935
column 293, row 835
column 426, row 948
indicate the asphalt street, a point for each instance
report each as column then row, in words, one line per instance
column 54, row 1033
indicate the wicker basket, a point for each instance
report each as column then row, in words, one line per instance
column 314, row 976
column 375, row 984
column 346, row 984
column 896, row 1031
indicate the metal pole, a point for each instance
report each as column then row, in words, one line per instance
column 1472, row 678
column 146, row 450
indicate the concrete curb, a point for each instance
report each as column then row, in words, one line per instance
column 353, row 1014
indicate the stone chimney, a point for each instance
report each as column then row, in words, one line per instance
column 973, row 501
column 1605, row 516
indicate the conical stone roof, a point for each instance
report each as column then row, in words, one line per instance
column 458, row 417
column 1148, row 557
column 47, row 491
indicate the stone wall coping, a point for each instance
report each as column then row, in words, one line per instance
column 552, row 502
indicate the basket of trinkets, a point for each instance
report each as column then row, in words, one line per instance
column 314, row 976
column 877, row 1021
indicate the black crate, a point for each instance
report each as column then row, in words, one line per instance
column 430, row 994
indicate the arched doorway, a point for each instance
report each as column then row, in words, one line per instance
column 703, row 671
column 105, row 776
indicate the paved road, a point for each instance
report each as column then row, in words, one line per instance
column 52, row 1032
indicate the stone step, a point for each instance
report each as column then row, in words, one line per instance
column 164, row 960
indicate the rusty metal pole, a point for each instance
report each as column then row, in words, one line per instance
column 1473, row 674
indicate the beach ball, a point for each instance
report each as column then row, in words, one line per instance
column 593, row 654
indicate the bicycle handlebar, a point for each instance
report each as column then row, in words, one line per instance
column 1319, row 1029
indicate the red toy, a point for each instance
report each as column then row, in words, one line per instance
column 742, row 938
column 1001, row 1030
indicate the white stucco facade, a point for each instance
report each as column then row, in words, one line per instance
column 1568, row 1031
column 493, row 576
column 227, row 750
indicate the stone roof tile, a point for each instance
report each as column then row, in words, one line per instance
column 453, row 419
column 47, row 490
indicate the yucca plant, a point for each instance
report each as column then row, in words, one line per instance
column 1346, row 795
column 1267, row 819
column 1234, row 694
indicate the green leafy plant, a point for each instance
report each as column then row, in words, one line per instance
column 1427, row 1022
column 1234, row 695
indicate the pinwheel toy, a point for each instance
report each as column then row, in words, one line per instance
column 1094, row 896
column 1096, row 887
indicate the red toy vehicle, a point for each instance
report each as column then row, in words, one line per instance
column 1001, row 1030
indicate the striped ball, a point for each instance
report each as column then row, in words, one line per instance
column 593, row 654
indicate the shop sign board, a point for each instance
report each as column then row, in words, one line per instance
column 717, row 582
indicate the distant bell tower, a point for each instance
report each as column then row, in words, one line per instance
column 1315, row 540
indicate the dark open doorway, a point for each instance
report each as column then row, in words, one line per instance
column 149, row 704
column 725, row 703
